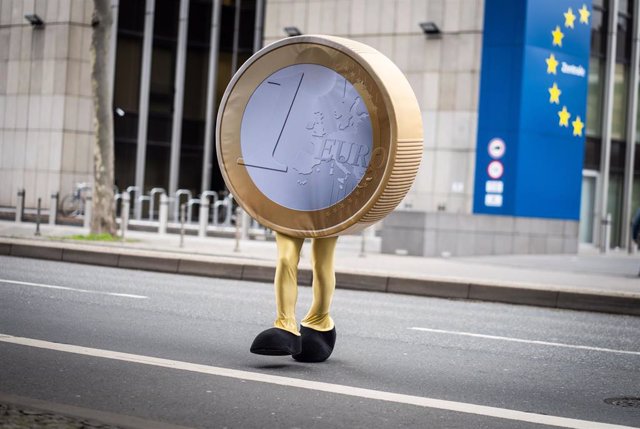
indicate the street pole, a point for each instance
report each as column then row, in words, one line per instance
column 178, row 101
column 143, row 110
column 632, row 122
column 212, row 80
column 38, row 217
column 182, row 216
column 236, row 37
column 607, row 113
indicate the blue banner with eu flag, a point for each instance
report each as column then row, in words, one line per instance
column 532, row 112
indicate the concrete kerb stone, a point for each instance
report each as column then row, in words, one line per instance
column 210, row 269
column 428, row 287
column 512, row 295
column 89, row 257
column 37, row 252
column 148, row 263
column 600, row 303
column 5, row 249
column 361, row 282
column 258, row 273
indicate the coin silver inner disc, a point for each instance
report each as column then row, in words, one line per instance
column 306, row 137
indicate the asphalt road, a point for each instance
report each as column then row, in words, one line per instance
column 484, row 359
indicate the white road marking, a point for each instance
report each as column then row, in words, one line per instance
column 461, row 407
column 97, row 292
column 520, row 340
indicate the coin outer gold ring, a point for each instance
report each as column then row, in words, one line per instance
column 396, row 128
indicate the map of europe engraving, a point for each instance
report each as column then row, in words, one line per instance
column 310, row 139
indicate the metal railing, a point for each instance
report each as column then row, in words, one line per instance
column 216, row 212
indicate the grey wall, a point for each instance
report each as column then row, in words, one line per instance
column 45, row 98
column 434, row 234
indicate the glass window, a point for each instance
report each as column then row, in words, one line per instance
column 592, row 153
column 598, row 33
column 131, row 16
column 623, row 39
column 619, row 117
column 624, row 6
column 594, row 98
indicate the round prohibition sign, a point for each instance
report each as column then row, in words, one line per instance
column 496, row 148
column 495, row 169
column 318, row 136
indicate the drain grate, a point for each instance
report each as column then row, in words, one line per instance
column 624, row 402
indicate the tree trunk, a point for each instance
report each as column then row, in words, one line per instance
column 103, row 212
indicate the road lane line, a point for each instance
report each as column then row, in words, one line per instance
column 520, row 340
column 41, row 285
column 461, row 407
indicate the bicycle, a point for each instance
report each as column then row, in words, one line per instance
column 73, row 204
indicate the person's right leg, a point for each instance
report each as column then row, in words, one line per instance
column 284, row 337
column 286, row 282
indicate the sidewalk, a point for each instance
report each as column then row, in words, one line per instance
column 587, row 281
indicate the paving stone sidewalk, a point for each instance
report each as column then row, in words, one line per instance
column 18, row 417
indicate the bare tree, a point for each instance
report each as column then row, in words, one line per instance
column 103, row 210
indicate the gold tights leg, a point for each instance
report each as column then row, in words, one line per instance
column 324, row 283
column 286, row 282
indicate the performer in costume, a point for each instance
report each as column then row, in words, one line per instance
column 317, row 136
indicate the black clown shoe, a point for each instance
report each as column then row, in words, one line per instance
column 316, row 345
column 276, row 342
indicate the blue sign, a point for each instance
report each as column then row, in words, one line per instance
column 532, row 113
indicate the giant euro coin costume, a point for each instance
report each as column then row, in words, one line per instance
column 317, row 136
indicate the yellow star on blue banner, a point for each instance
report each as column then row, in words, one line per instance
column 569, row 18
column 557, row 36
column 584, row 14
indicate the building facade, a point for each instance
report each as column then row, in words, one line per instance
column 168, row 80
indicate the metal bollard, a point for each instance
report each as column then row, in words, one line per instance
column 141, row 200
column 53, row 208
column 204, row 199
column 190, row 204
column 238, row 232
column 124, row 214
column 216, row 211
column 88, row 208
column 152, row 201
column 605, row 233
column 245, row 223
column 117, row 198
column 204, row 216
column 179, row 193
column 163, row 215
column 20, row 206
column 229, row 202
column 38, row 218
column 135, row 190
column 182, row 215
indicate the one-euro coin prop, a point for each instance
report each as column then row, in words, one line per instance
column 319, row 136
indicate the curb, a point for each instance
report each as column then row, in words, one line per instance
column 217, row 267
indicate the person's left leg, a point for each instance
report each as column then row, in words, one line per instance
column 324, row 284
column 318, row 329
